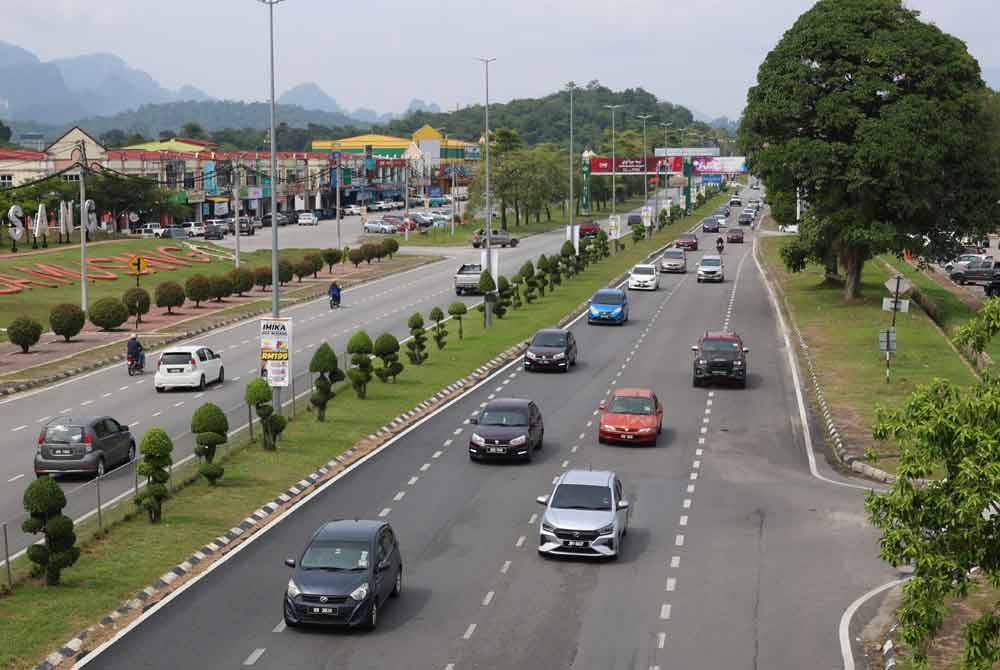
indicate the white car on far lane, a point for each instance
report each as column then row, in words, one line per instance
column 190, row 366
column 308, row 219
column 352, row 210
column 644, row 277
column 379, row 226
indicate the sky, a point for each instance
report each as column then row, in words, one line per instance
column 381, row 54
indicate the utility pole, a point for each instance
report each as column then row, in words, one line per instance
column 236, row 210
column 406, row 198
column 488, row 307
column 340, row 177
column 83, row 226
column 572, row 203
column 645, row 176
column 666, row 169
column 614, row 243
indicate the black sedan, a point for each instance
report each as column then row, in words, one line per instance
column 551, row 349
column 346, row 573
column 507, row 428
column 710, row 225
column 735, row 236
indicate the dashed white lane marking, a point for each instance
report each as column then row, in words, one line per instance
column 565, row 464
column 399, row 496
column 661, row 641
column 709, row 402
column 506, row 381
column 133, row 424
column 254, row 656
column 233, row 346
column 687, row 503
column 482, row 404
column 86, row 402
column 520, row 542
column 596, row 412
column 704, row 430
column 690, row 488
column 505, row 567
column 43, row 419
column 589, row 424
column 15, row 478
column 705, row 420
column 123, row 388
column 425, row 467
column 488, row 599
column 555, row 479
column 583, row 435
column 665, row 611
column 675, row 561
column 141, row 381
column 684, row 520
column 469, row 631
column 491, row 396
column 157, row 413
column 251, row 371
column 711, row 394
column 199, row 395
column 671, row 584
column 236, row 379
column 413, row 480
column 573, row 449
column 457, row 431
column 708, row 411
column 532, row 519
column 244, row 341
column 14, row 430
column 466, row 422
column 699, row 452
column 446, row 442
column 385, row 512
column 696, row 465
column 179, row 403
column 694, row 475
column 279, row 628
column 679, row 540
column 498, row 389
column 106, row 395
column 437, row 454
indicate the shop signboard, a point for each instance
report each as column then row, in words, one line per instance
column 208, row 178
column 276, row 350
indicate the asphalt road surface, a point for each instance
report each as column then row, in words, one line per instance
column 736, row 556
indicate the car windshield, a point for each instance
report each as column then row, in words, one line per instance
column 336, row 555
column 175, row 358
column 711, row 262
column 623, row 404
column 63, row 434
column 721, row 346
column 503, row 417
column 643, row 270
column 688, row 236
column 608, row 298
column 582, row 496
column 674, row 254
column 549, row 340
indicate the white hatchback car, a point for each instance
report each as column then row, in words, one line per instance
column 644, row 277
column 191, row 366
column 308, row 219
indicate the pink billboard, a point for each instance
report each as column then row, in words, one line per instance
column 629, row 165
column 719, row 164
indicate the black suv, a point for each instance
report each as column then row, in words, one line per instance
column 83, row 445
column 719, row 355
column 507, row 428
column 745, row 219
column 551, row 349
column 347, row 571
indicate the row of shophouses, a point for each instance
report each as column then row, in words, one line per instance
column 372, row 167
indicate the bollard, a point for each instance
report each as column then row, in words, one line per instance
column 250, row 421
column 100, row 520
column 135, row 473
column 6, row 558
column 293, row 395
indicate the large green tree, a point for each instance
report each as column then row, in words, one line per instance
column 878, row 119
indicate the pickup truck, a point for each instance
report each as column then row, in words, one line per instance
column 498, row 238
column 975, row 271
column 467, row 278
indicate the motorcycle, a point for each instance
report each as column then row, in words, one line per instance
column 334, row 302
column 134, row 366
column 719, row 247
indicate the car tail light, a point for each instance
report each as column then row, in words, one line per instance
column 194, row 363
column 41, row 437
column 87, row 441
column 159, row 362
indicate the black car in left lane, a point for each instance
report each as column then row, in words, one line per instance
column 346, row 573
column 551, row 349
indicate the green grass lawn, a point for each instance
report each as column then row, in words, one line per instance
column 843, row 341
column 34, row 619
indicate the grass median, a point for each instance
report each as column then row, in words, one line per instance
column 115, row 564
column 843, row 342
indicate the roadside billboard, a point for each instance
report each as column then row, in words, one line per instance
column 686, row 151
column 719, row 164
column 600, row 165
column 276, row 351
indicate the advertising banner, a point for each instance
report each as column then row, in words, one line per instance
column 686, row 151
column 209, row 182
column 711, row 178
column 276, row 350
column 601, row 165
column 221, row 208
column 719, row 164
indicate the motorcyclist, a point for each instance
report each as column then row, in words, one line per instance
column 334, row 292
column 720, row 244
column 136, row 352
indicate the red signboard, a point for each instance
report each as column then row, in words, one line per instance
column 626, row 165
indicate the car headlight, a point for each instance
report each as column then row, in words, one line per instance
column 519, row 440
column 559, row 356
column 531, row 355
column 360, row 593
column 702, row 361
column 548, row 527
column 618, row 310
column 608, row 427
column 594, row 311
column 607, row 530
column 477, row 439
column 737, row 363
column 293, row 589
column 645, row 430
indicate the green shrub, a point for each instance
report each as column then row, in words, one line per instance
column 440, row 331
column 360, row 348
column 242, row 279
column 156, row 449
column 66, row 320
column 387, row 350
column 258, row 396
column 198, row 288
column 317, row 264
column 108, row 313
column 24, row 332
column 457, row 310
column 262, row 277
column 219, row 287
column 169, row 294
column 331, row 257
column 286, row 270
column 324, row 366
column 210, row 428
column 356, row 256
column 303, row 269
column 371, row 251
column 416, row 347
column 389, row 247
column 527, row 274
column 136, row 301
column 44, row 501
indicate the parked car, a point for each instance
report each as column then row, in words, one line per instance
column 247, row 226
column 352, row 210
column 348, row 570
column 710, row 268
column 792, row 228
column 174, row 233
column 673, row 260
column 215, row 231
column 710, row 225
column 644, row 277
column 467, row 278
column 608, row 305
column 507, row 428
column 586, row 515
column 193, row 228
column 688, row 241
column 963, row 260
column 498, row 238
column 151, row 230
column 426, row 220
column 308, row 219
column 735, row 236
column 720, row 355
column 83, row 445
column 190, row 366
column 975, row 271
column 589, row 229
column 281, row 218
column 551, row 349
column 379, row 226
column 632, row 416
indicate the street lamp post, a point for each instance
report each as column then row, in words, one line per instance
column 275, row 300
column 452, row 170
column 666, row 169
column 487, row 308
column 645, row 177
column 572, row 203
column 613, row 193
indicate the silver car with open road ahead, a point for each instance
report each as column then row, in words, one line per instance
column 586, row 515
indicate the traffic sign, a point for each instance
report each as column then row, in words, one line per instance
column 905, row 286
column 893, row 305
column 139, row 265
column 887, row 340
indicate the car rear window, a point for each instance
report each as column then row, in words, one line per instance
column 63, row 434
column 608, row 298
column 175, row 358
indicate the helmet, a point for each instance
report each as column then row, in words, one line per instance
column 133, row 336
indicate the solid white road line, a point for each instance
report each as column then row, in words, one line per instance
column 845, row 621
column 254, row 656
column 469, row 631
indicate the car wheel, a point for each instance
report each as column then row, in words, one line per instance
column 600, row 440
column 659, row 427
column 743, row 383
column 159, row 389
column 397, row 588
column 131, row 453
column 695, row 382
column 100, row 467
column 372, row 615
column 201, row 383
column 288, row 622
column 222, row 375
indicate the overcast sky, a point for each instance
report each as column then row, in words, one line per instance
column 383, row 53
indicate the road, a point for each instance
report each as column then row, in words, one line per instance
column 737, row 557
column 381, row 306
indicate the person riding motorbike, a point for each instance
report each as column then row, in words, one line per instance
column 720, row 244
column 135, row 351
column 334, row 293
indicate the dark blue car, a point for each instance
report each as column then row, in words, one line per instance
column 609, row 305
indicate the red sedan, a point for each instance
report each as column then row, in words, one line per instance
column 688, row 241
column 632, row 415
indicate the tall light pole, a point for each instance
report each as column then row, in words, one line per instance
column 487, row 308
column 572, row 203
column 275, row 300
column 645, row 177
column 666, row 125
column 452, row 184
column 612, row 108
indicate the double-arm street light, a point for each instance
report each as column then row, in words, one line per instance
column 612, row 108
column 645, row 177
column 487, row 308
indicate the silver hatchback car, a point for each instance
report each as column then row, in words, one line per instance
column 586, row 515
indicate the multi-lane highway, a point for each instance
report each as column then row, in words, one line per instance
column 737, row 556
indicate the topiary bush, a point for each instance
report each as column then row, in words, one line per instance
column 324, row 366
column 286, row 270
column 44, row 501
column 331, row 257
column 527, row 274
column 198, row 288
column 24, row 332
column 243, row 280
column 389, row 247
column 169, row 294
column 360, row 348
column 262, row 277
column 356, row 256
column 457, row 310
column 440, row 332
column 416, row 347
column 108, row 313
column 156, row 450
column 387, row 350
column 66, row 320
column 210, row 428
column 258, row 396
column 303, row 269
column 503, row 300
column 219, row 287
column 136, row 301
column 317, row 264
column 370, row 251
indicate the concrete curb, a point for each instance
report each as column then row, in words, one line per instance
column 889, row 649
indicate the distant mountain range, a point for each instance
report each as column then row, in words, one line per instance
column 310, row 96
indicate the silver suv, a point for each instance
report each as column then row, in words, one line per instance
column 586, row 515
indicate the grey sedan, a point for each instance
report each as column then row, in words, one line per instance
column 586, row 515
